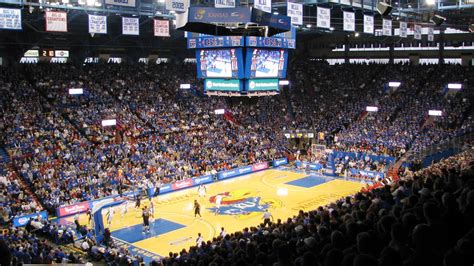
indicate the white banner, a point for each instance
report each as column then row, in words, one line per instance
column 98, row 24
column 417, row 32
column 130, row 26
column 403, row 29
column 387, row 27
column 324, row 18
column 162, row 28
column 265, row 5
column 295, row 11
column 10, row 19
column 130, row 3
column 349, row 21
column 56, row 21
column 224, row 3
column 177, row 5
column 368, row 24
column 430, row 34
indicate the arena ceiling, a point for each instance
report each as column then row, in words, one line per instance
column 82, row 44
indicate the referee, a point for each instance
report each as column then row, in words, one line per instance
column 266, row 218
column 146, row 219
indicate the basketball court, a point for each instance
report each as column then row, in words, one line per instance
column 174, row 227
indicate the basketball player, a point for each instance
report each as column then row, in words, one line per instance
column 89, row 214
column 197, row 209
column 124, row 208
column 137, row 203
column 202, row 190
column 218, row 203
column 146, row 220
column 110, row 216
column 152, row 210
column 199, row 240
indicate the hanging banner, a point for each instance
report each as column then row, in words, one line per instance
column 324, row 18
column 162, row 28
column 264, row 5
column 430, row 34
column 97, row 24
column 387, row 27
column 129, row 3
column 224, row 3
column 10, row 19
column 368, row 24
column 403, row 29
column 349, row 21
column 56, row 21
column 295, row 11
column 130, row 26
column 417, row 32
column 177, row 5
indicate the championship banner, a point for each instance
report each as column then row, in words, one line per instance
column 403, row 29
column 56, row 21
column 97, row 24
column 324, row 18
column 349, row 21
column 387, row 27
column 162, row 28
column 264, row 5
column 177, row 5
column 295, row 11
column 224, row 3
column 417, row 32
column 430, row 34
column 10, row 19
column 368, row 24
column 129, row 3
column 130, row 26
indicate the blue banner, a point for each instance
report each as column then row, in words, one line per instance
column 279, row 162
column 23, row 220
column 166, row 188
column 268, row 19
column 215, row 42
column 312, row 166
column 203, row 180
column 234, row 172
column 219, row 15
column 371, row 174
column 353, row 155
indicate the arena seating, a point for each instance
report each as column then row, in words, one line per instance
column 60, row 151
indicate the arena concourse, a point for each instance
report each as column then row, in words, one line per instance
column 355, row 160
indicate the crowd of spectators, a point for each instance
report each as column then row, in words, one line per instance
column 61, row 151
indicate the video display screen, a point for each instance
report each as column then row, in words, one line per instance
column 265, row 63
column 219, row 63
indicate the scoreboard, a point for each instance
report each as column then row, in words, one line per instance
column 243, row 65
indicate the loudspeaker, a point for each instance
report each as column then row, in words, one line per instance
column 437, row 20
column 384, row 8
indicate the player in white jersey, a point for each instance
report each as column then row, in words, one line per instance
column 202, row 190
column 124, row 208
column 110, row 216
column 152, row 211
column 218, row 203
